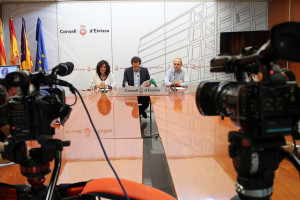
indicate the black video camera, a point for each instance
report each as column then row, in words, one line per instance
column 39, row 102
column 260, row 110
column 263, row 111
column 33, row 109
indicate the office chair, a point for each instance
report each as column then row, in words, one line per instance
column 103, row 187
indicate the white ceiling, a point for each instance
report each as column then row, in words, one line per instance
column 19, row 1
column 16, row 1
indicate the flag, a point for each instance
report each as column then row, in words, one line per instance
column 26, row 60
column 2, row 46
column 14, row 51
column 41, row 59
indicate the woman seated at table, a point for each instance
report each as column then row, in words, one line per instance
column 102, row 78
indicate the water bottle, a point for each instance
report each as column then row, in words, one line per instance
column 92, row 86
column 163, row 84
column 126, row 83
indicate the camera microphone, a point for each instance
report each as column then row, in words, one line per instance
column 63, row 69
column 21, row 78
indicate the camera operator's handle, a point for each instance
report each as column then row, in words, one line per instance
column 108, row 187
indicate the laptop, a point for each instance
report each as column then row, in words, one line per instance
column 4, row 70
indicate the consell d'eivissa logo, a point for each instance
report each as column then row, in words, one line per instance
column 83, row 30
column 142, row 90
column 67, row 31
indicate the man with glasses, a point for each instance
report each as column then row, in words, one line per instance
column 176, row 75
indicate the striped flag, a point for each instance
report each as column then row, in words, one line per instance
column 2, row 46
column 41, row 59
column 26, row 60
column 14, row 51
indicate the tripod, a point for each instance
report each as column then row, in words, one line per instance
column 36, row 166
column 255, row 161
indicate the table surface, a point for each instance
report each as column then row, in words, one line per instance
column 196, row 148
column 113, row 116
column 116, row 120
column 84, row 161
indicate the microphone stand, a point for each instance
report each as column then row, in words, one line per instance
column 103, row 89
column 174, row 88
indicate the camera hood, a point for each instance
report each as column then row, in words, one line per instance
column 285, row 41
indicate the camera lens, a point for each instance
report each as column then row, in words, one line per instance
column 217, row 98
column 205, row 97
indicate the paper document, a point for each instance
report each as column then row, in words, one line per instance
column 146, row 83
column 180, row 88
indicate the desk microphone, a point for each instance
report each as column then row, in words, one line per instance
column 153, row 82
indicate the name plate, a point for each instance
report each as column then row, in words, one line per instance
column 142, row 90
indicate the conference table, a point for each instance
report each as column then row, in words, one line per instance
column 196, row 146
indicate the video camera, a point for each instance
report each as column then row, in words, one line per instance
column 32, row 110
column 263, row 111
column 39, row 102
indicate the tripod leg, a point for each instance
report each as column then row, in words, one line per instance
column 54, row 176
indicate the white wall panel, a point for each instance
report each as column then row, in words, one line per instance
column 131, row 21
column 116, row 31
column 90, row 41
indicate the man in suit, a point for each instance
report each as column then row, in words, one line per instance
column 134, row 76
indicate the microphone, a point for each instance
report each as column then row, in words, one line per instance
column 63, row 69
column 153, row 82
